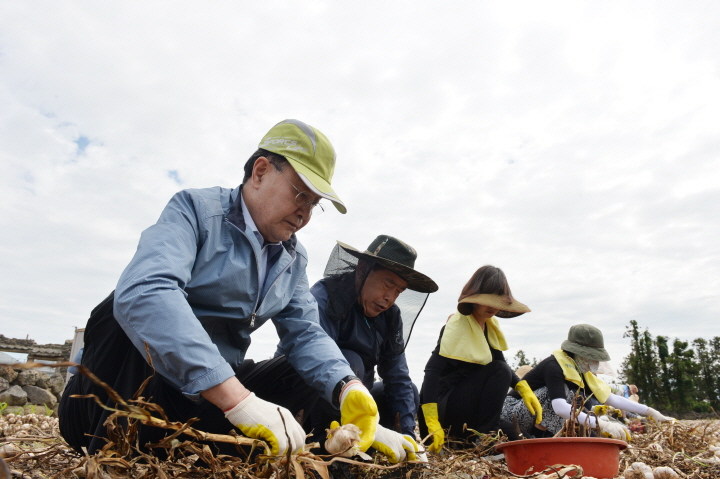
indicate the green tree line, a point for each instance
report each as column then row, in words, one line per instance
column 675, row 375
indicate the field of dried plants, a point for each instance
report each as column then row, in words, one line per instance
column 32, row 448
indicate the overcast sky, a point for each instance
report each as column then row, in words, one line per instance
column 573, row 144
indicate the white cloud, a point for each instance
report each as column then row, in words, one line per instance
column 572, row 144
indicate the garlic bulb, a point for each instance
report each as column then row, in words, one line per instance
column 665, row 472
column 9, row 450
column 343, row 439
column 638, row 470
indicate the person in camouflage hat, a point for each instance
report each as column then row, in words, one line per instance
column 569, row 370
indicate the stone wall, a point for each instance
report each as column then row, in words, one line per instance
column 42, row 352
column 25, row 391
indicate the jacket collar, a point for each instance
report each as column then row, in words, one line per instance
column 235, row 216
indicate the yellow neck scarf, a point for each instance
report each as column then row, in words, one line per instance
column 596, row 385
column 464, row 339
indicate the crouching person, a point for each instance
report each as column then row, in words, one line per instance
column 217, row 265
column 358, row 310
column 568, row 374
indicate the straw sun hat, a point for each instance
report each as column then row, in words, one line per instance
column 507, row 307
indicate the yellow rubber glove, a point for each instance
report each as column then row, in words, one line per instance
column 602, row 410
column 358, row 407
column 430, row 410
column 530, row 400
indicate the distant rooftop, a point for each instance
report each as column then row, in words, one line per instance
column 46, row 352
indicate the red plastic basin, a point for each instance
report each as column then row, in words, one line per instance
column 599, row 457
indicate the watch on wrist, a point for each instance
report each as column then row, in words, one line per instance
column 339, row 387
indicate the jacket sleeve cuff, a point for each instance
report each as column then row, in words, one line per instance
column 214, row 377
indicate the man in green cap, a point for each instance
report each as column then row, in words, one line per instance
column 217, row 265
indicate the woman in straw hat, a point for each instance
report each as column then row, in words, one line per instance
column 467, row 377
column 567, row 371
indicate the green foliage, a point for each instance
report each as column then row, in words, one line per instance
column 3, row 405
column 641, row 367
column 673, row 375
column 521, row 360
column 707, row 377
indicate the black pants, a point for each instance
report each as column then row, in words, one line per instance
column 111, row 356
column 324, row 413
column 477, row 401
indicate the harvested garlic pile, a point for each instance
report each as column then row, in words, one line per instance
column 665, row 472
column 716, row 455
column 640, row 470
column 343, row 439
column 29, row 424
column 561, row 473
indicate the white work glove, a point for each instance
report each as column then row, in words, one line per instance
column 395, row 446
column 613, row 429
column 358, row 407
column 261, row 419
column 657, row 416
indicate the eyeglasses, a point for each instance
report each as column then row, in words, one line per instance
column 302, row 199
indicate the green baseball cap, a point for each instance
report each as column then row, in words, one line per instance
column 309, row 152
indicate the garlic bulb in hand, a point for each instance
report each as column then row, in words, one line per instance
column 343, row 440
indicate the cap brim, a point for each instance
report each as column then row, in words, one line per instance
column 505, row 309
column 415, row 279
column 596, row 354
column 317, row 185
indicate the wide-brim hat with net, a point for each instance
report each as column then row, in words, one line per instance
column 398, row 257
column 507, row 307
column 309, row 152
column 586, row 341
column 344, row 280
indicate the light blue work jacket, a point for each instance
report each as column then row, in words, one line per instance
column 192, row 292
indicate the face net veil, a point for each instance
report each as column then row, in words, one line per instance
column 345, row 275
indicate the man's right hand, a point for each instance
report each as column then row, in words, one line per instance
column 358, row 407
column 261, row 419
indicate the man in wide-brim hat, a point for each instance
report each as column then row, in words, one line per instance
column 368, row 302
